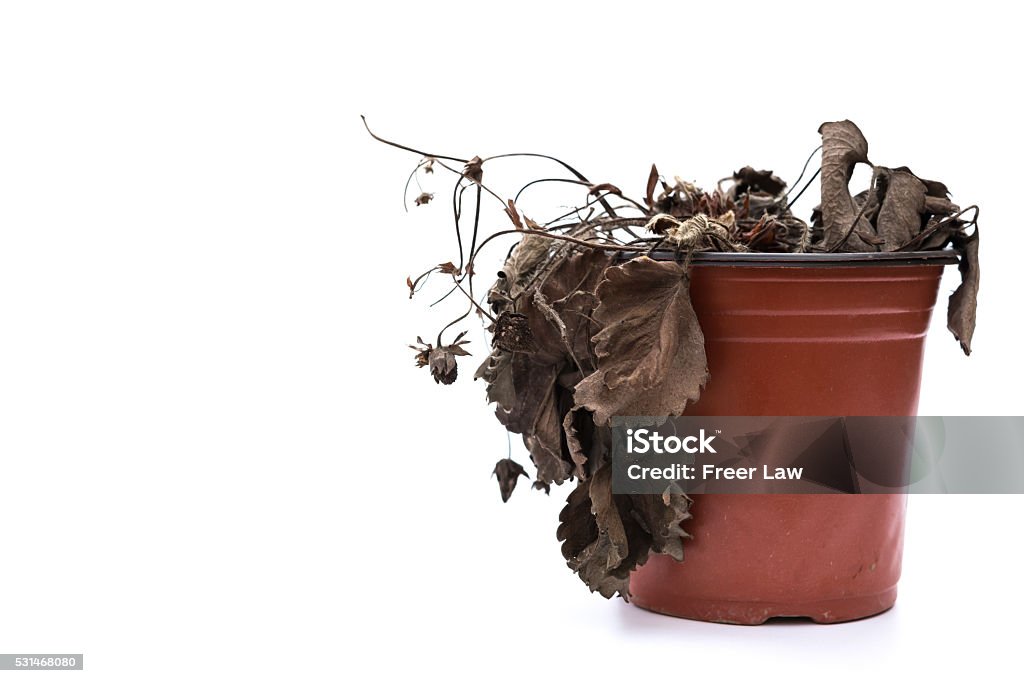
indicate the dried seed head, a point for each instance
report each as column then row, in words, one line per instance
column 474, row 170
column 512, row 332
column 443, row 367
column 508, row 472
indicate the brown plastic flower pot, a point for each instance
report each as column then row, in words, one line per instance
column 799, row 334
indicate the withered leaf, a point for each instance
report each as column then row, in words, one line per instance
column 902, row 211
column 496, row 371
column 512, row 332
column 748, row 180
column 572, row 439
column 508, row 472
column 522, row 263
column 424, row 198
column 544, row 442
column 448, row 268
column 586, row 547
column 411, row 285
column 474, row 170
column 662, row 517
column 608, row 520
column 843, row 147
column 532, row 224
column 650, row 352
column 513, row 214
column 532, row 385
column 560, row 310
column 652, row 184
column 422, row 352
column 542, row 486
column 963, row 304
column 604, row 536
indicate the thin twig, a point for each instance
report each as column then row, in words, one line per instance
column 408, row 149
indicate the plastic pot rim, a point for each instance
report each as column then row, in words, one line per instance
column 817, row 260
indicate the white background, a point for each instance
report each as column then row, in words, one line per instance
column 203, row 326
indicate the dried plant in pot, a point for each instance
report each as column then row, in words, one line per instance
column 709, row 303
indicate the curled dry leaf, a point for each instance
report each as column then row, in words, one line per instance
column 652, row 184
column 901, row 195
column 963, row 304
column 650, row 352
column 424, row 198
column 748, row 180
column 606, row 536
column 513, row 214
column 843, row 147
column 508, row 472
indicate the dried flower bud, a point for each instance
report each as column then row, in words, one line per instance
column 474, row 170
column 441, row 360
column 512, row 332
column 443, row 367
column 508, row 472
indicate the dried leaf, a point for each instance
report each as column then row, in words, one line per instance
column 572, row 440
column 843, row 147
column 652, row 184
column 662, row 517
column 513, row 215
column 605, row 536
column 527, row 256
column 532, row 386
column 963, row 304
column 552, row 316
column 748, row 180
column 902, row 212
column 508, row 472
column 586, row 547
column 411, row 285
column 650, row 352
column 544, row 441
column 542, row 486
column 496, row 371
column 424, row 198
column 448, row 268
column 567, row 286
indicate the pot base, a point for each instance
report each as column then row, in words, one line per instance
column 752, row 613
